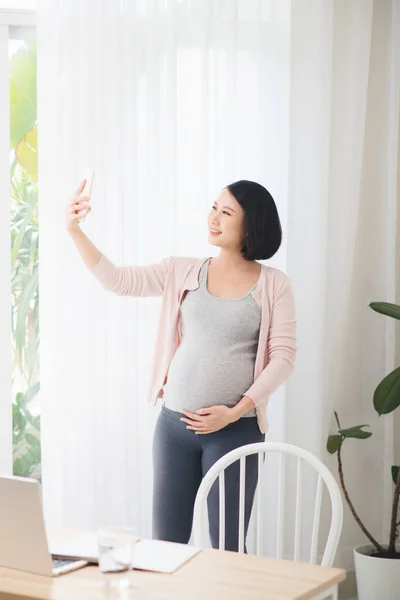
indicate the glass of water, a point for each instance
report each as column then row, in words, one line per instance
column 116, row 547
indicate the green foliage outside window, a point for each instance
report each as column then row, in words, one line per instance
column 24, row 261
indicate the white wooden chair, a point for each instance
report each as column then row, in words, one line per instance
column 324, row 477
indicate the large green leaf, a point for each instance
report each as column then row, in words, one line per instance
column 20, row 236
column 32, row 349
column 19, row 422
column 20, row 400
column 33, row 440
column 33, row 255
column 35, row 471
column 21, row 466
column 23, row 309
column 22, row 92
column 34, row 421
column 333, row 443
column 26, row 153
column 25, row 459
column 32, row 391
column 386, row 308
column 387, row 394
column 356, row 432
column 395, row 474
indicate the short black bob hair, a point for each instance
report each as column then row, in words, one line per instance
column 262, row 227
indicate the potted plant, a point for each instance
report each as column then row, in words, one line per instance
column 377, row 564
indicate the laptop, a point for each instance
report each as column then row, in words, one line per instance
column 23, row 540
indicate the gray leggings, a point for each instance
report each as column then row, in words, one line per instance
column 181, row 459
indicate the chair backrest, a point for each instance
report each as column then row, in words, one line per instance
column 324, row 476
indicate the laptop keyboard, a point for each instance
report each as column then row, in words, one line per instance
column 60, row 562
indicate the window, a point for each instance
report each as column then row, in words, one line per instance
column 19, row 318
column 24, row 257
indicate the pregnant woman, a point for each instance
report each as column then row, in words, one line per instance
column 226, row 342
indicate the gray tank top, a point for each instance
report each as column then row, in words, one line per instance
column 214, row 363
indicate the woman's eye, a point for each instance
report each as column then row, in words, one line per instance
column 226, row 213
column 213, row 208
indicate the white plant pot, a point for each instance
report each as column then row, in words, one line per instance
column 377, row 578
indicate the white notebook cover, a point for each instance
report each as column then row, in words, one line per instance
column 149, row 555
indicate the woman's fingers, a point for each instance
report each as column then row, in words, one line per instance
column 78, row 208
column 80, row 187
column 196, row 423
column 199, row 431
column 193, row 421
column 205, row 432
column 192, row 416
column 79, row 200
column 73, row 208
column 81, row 205
column 80, row 215
column 74, row 213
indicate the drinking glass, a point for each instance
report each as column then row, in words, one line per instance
column 116, row 546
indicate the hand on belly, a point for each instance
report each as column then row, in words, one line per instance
column 208, row 420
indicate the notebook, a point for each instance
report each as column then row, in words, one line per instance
column 149, row 555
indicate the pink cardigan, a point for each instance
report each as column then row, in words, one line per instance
column 172, row 278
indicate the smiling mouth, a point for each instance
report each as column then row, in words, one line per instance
column 215, row 231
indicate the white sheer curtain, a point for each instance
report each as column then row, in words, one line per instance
column 169, row 101
column 345, row 67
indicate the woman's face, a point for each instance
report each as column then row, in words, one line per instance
column 226, row 223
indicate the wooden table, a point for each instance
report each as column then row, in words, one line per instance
column 210, row 575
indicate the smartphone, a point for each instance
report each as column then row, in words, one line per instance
column 87, row 190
